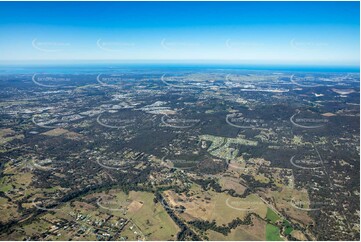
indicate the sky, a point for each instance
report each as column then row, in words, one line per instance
column 300, row 33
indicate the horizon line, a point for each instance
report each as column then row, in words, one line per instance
column 177, row 61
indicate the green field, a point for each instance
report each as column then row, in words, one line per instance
column 272, row 216
column 288, row 227
column 152, row 219
column 273, row 233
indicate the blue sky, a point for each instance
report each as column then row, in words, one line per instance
column 312, row 33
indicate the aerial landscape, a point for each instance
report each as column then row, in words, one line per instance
column 166, row 150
